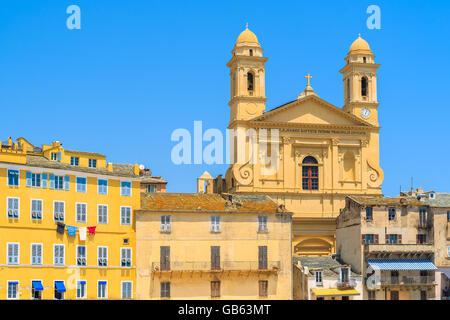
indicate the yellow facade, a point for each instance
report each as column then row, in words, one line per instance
column 190, row 237
column 343, row 142
column 26, row 229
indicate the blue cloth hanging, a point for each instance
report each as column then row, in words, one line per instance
column 72, row 230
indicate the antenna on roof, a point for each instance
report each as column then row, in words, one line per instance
column 412, row 183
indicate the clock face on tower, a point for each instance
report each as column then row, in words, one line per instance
column 365, row 113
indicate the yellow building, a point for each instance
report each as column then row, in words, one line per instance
column 47, row 191
column 323, row 152
column 210, row 246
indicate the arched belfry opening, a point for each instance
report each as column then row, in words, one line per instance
column 250, row 81
column 364, row 87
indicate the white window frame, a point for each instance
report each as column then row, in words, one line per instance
column 79, row 185
column 263, row 223
column 131, row 289
column 18, row 178
column 106, row 289
column 122, row 189
column 56, row 156
column 17, row 289
column 40, row 179
column 122, row 249
column 85, row 212
column 318, row 274
column 18, row 253
column 107, row 209
column 63, row 182
column 85, row 289
column 104, row 258
column 64, row 212
column 98, row 186
column 76, row 160
column 18, row 207
column 215, row 223
column 167, row 225
column 92, row 161
column 42, row 253
column 80, row 257
column 131, row 216
column 37, row 212
column 63, row 256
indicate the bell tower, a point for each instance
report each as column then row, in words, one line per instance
column 247, row 75
column 360, row 82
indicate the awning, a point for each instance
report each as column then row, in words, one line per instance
column 445, row 271
column 37, row 285
column 394, row 264
column 335, row 292
column 60, row 286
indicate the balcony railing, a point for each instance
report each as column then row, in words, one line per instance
column 402, row 280
column 206, row 266
column 346, row 284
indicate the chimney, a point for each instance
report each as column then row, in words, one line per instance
column 109, row 167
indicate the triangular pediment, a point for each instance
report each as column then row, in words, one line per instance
column 311, row 110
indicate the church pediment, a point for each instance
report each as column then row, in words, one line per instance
column 311, row 110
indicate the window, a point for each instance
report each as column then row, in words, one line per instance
column 423, row 218
column 344, row 275
column 262, row 257
column 215, row 289
column 345, row 298
column 35, row 180
column 215, row 258
column 370, row 239
column 125, row 188
column 369, row 213
column 101, row 290
column 58, row 255
column 36, row 253
column 125, row 216
column 371, row 295
column 13, row 178
column 125, row 257
column 393, row 238
column 13, row 287
column 310, row 174
column 127, row 290
column 423, row 295
column 81, row 255
column 150, row 188
column 92, row 163
column 81, row 289
column 13, row 208
column 81, row 184
column 102, row 186
column 81, row 212
column 102, row 256
column 364, row 87
column 432, row 195
column 102, row 214
column 74, row 161
column 263, row 286
column 165, row 289
column 391, row 214
column 215, row 223
column 262, row 223
column 448, row 251
column 394, row 295
column 59, row 182
column 54, row 156
column 165, row 258
column 250, row 52
column 250, row 82
column 58, row 210
column 364, row 59
column 165, row 223
column 59, row 290
column 448, row 216
column 36, row 209
column 13, row 253
column 36, row 290
column 319, row 278
column 421, row 239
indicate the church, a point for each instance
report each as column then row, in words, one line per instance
column 324, row 152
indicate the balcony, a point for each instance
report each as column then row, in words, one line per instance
column 346, row 284
column 401, row 249
column 407, row 281
column 225, row 266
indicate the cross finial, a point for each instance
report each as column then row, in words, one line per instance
column 246, row 25
column 308, row 77
column 359, row 35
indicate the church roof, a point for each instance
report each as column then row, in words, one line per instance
column 247, row 36
column 360, row 46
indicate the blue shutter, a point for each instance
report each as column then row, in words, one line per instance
column 59, row 156
column 28, row 179
column 44, row 180
column 52, row 181
column 66, row 183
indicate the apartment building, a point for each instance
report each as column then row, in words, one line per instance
column 390, row 241
column 67, row 229
column 325, row 278
column 210, row 246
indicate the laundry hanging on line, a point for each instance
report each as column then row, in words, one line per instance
column 72, row 230
column 60, row 228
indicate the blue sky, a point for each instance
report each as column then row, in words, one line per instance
column 137, row 70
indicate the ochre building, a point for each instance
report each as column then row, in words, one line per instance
column 66, row 225
column 324, row 152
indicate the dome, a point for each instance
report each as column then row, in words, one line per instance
column 247, row 36
column 360, row 46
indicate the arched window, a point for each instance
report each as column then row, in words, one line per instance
column 310, row 174
column 250, row 85
column 348, row 89
column 251, row 52
column 364, row 59
column 364, row 87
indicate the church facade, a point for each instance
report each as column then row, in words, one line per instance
column 323, row 152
